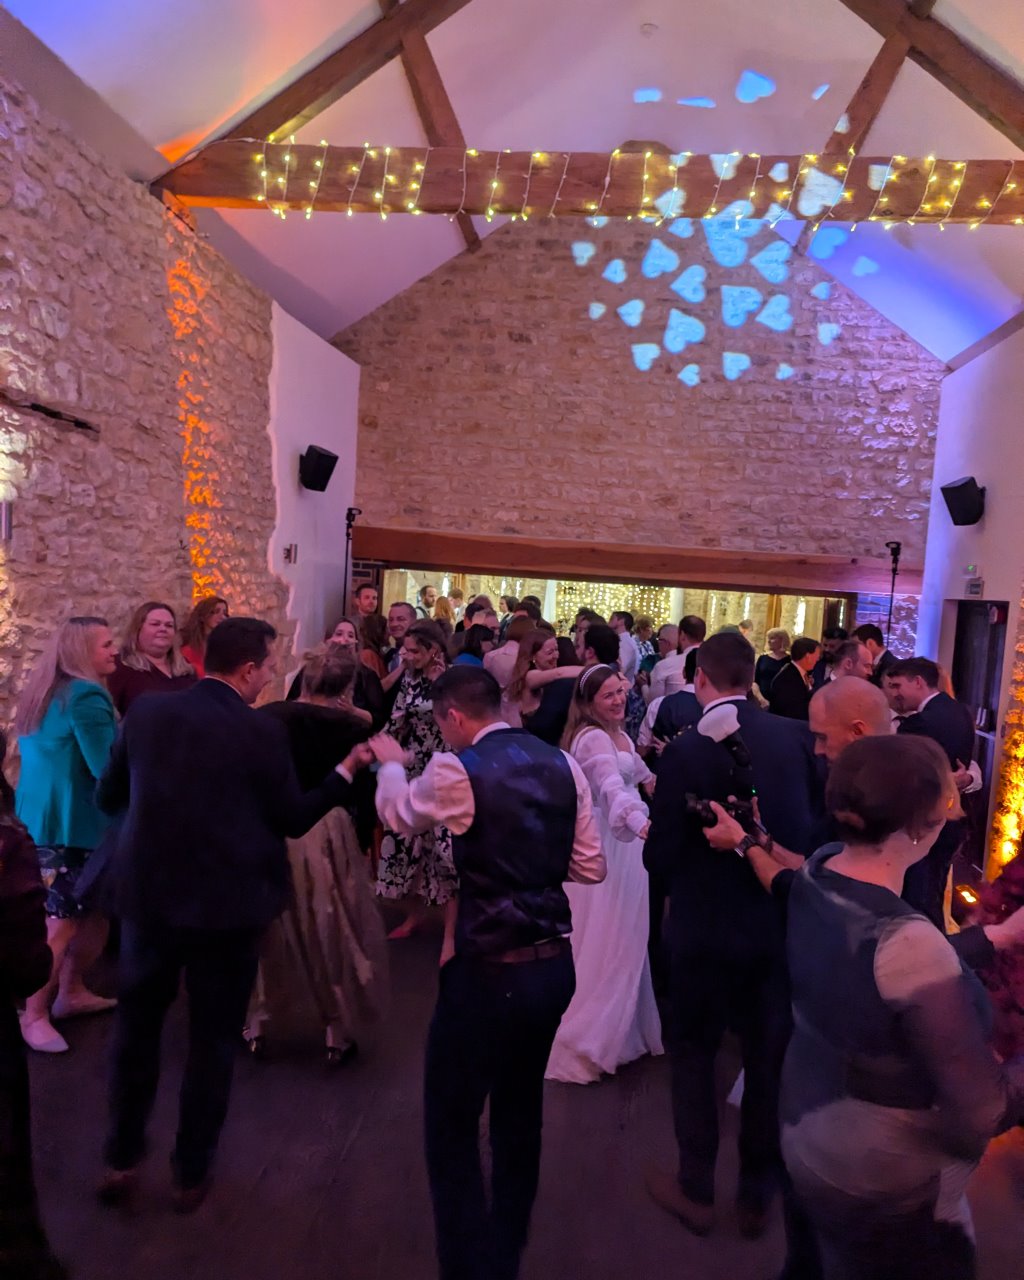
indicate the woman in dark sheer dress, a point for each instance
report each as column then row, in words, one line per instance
column 25, row 963
column 891, row 1090
column 324, row 960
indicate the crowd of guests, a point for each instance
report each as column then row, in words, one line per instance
column 574, row 806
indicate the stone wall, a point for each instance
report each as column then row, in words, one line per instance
column 505, row 394
column 113, row 311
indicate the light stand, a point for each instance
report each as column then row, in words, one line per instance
column 350, row 519
column 894, row 549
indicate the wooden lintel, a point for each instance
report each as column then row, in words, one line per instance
column 1006, row 330
column 338, row 74
column 870, row 96
column 179, row 208
column 451, row 180
column 986, row 88
column 435, row 109
column 613, row 562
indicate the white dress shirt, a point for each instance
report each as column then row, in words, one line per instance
column 629, row 656
column 443, row 794
column 667, row 676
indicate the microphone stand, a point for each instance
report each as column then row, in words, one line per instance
column 350, row 519
column 894, row 549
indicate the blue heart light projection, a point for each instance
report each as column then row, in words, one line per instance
column 708, row 104
column 776, row 315
column 646, row 95
column 820, row 92
column 820, row 192
column 822, row 290
column 828, row 333
column 735, row 364
column 670, row 203
column 727, row 239
column 865, row 266
column 753, row 86
column 582, row 252
column 682, row 227
column 784, row 372
column 597, row 310
column 631, row 312
column 599, row 220
column 689, row 375
column 825, row 242
column 682, row 330
column 645, row 354
column 739, row 302
column 725, row 163
column 615, row 271
column 659, row 260
column 690, row 285
column 771, row 262
column 779, row 172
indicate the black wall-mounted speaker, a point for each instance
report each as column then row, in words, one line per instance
column 965, row 500
column 316, row 466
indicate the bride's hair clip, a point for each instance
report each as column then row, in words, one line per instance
column 590, row 671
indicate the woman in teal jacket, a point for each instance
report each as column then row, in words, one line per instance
column 66, row 726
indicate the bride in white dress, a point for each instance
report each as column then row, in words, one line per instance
column 613, row 1017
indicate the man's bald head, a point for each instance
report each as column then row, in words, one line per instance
column 847, row 709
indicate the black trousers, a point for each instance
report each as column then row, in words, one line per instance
column 24, row 1251
column 712, row 991
column 219, row 968
column 490, row 1037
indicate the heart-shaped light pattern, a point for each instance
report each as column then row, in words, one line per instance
column 820, row 191
column 726, row 240
column 771, row 261
column 582, row 252
column 843, row 123
column 615, row 271
column 659, row 260
column 865, row 266
column 707, row 103
column 646, row 95
column 725, row 164
column 645, row 354
column 682, row 227
column 680, row 159
column 777, row 213
column 776, row 314
column 631, row 312
column 690, row 285
column 670, row 203
column 822, row 290
column 877, row 174
column 784, row 372
column 826, row 241
column 779, row 172
column 738, row 302
column 597, row 310
column 599, row 220
column 820, row 92
column 828, row 332
column 753, row 86
column 734, row 364
column 682, row 330
column 690, row 375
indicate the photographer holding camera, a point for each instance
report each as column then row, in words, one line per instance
column 724, row 934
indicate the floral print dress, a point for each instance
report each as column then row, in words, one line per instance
column 422, row 865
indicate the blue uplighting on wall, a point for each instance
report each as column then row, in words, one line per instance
column 753, row 86
column 646, row 95
column 708, row 104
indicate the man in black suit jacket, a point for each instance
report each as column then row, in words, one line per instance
column 724, row 934
column 912, row 686
column 884, row 659
column 205, row 792
column 790, row 694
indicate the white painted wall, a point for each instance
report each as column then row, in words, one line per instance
column 314, row 399
column 981, row 433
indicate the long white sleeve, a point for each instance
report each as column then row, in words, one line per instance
column 627, row 813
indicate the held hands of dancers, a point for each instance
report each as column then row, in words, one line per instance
column 357, row 758
column 386, row 750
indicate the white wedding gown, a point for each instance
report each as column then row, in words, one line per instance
column 613, row 1017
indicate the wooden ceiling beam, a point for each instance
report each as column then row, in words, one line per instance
column 228, row 175
column 870, row 96
column 338, row 74
column 984, row 87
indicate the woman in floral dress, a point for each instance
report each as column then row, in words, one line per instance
column 417, row 868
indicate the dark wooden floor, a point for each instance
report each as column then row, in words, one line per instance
column 321, row 1175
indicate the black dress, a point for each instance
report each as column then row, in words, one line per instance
column 767, row 669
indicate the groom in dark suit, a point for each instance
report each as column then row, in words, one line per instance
column 206, row 793
column 724, row 933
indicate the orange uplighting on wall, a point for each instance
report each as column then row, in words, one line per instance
column 1008, row 819
column 187, row 288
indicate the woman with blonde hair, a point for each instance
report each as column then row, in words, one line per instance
column 208, row 613
column 613, row 1018
column 323, row 962
column 771, row 663
column 150, row 660
column 66, row 726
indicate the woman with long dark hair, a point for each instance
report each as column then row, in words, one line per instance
column 613, row 1017
column 66, row 726
column 208, row 613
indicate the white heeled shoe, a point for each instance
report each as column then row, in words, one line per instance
column 39, row 1034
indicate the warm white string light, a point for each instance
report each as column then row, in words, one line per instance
column 922, row 205
column 526, row 193
column 607, row 181
column 319, row 165
column 419, row 171
column 357, row 169
column 565, row 172
column 983, row 203
column 382, row 193
column 494, row 189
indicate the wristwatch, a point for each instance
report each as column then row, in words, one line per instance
column 748, row 842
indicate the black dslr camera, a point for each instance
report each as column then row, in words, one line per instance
column 721, row 724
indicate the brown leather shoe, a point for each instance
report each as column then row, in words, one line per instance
column 117, row 1187
column 752, row 1219
column 188, row 1199
column 665, row 1191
